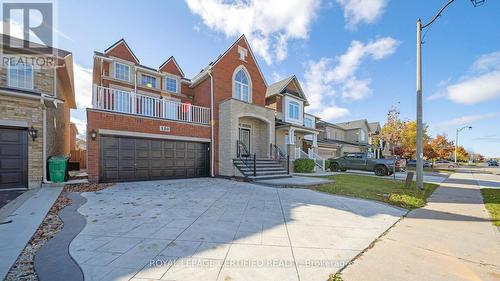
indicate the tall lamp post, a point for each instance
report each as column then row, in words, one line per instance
column 456, row 139
column 420, row 27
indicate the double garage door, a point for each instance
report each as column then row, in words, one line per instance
column 13, row 158
column 135, row 159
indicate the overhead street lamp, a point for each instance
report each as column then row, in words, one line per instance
column 456, row 139
column 420, row 27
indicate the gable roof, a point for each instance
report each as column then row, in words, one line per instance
column 204, row 71
column 122, row 41
column 356, row 124
column 171, row 58
column 325, row 123
column 374, row 127
column 279, row 88
column 14, row 41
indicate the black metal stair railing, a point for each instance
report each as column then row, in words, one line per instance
column 279, row 155
column 243, row 154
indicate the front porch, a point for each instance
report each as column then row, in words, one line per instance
column 299, row 142
column 246, row 131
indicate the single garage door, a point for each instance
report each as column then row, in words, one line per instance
column 13, row 158
column 135, row 159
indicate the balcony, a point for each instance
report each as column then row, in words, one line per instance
column 114, row 100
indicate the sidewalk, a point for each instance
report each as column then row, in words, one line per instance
column 25, row 221
column 452, row 238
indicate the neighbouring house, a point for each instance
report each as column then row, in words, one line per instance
column 72, row 136
column 35, row 103
column 336, row 139
column 293, row 126
column 78, row 155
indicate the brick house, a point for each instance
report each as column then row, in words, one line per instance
column 155, row 123
column 33, row 99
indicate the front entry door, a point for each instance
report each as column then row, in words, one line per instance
column 245, row 137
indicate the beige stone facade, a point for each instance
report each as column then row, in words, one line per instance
column 24, row 113
column 234, row 114
column 49, row 99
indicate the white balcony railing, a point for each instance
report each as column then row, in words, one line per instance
column 133, row 103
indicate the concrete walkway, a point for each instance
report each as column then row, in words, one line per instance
column 25, row 221
column 216, row 229
column 295, row 181
column 452, row 238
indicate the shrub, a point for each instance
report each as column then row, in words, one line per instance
column 328, row 164
column 303, row 165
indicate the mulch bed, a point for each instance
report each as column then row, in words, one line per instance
column 23, row 269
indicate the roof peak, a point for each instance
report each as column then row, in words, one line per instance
column 122, row 40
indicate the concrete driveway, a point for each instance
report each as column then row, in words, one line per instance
column 216, row 229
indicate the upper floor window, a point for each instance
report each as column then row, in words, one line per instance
column 309, row 123
column 362, row 136
column 148, row 81
column 171, row 84
column 122, row 71
column 20, row 76
column 241, row 86
column 293, row 110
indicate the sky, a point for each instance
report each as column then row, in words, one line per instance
column 354, row 58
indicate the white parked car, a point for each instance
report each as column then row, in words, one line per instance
column 445, row 164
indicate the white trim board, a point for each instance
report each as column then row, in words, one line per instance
column 14, row 123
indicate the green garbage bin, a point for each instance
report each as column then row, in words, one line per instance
column 57, row 168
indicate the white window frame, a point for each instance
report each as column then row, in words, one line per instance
column 115, row 72
column 10, row 82
column 286, row 100
column 155, row 85
column 176, row 83
column 293, row 107
column 249, row 78
column 311, row 119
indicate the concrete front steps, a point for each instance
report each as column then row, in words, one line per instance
column 265, row 168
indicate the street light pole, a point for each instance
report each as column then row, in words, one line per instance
column 420, row 27
column 456, row 139
column 420, row 164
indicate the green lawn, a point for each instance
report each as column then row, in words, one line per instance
column 491, row 199
column 390, row 191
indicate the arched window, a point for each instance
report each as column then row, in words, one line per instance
column 241, row 86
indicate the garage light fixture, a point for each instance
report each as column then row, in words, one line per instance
column 93, row 134
column 33, row 133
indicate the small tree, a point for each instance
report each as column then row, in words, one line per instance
column 462, row 155
column 442, row 146
column 391, row 133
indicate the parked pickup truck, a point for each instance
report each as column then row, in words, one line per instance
column 366, row 162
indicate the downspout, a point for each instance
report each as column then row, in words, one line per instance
column 44, row 127
column 135, row 79
column 212, row 155
column 102, row 73
column 44, row 142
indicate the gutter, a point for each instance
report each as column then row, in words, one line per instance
column 212, row 155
